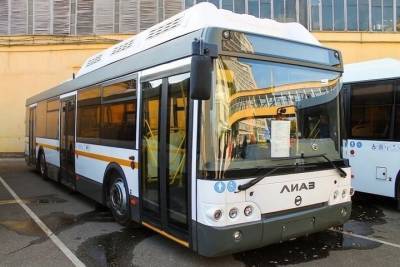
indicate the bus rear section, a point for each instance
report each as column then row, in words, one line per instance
column 270, row 167
column 371, row 102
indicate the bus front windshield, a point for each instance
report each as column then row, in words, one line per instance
column 252, row 121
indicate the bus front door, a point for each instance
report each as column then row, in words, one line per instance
column 67, row 142
column 164, row 179
column 32, row 135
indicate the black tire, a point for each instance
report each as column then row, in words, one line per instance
column 398, row 196
column 42, row 166
column 118, row 200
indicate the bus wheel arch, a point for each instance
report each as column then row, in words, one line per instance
column 116, row 193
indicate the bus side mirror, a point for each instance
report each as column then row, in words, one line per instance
column 201, row 77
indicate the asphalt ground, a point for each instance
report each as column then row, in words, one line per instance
column 88, row 232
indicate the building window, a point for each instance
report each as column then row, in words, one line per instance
column 265, row 9
column 240, row 6
column 303, row 13
column 339, row 15
column 188, row 3
column 363, row 15
column 376, row 15
column 227, row 4
column 88, row 123
column 254, row 8
column 279, row 10
column 398, row 15
column 388, row 15
column 327, row 15
column 214, row 2
column 371, row 110
column 290, row 11
column 315, row 21
column 352, row 16
column 118, row 123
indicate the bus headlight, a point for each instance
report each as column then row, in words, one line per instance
column 248, row 210
column 233, row 213
column 217, row 214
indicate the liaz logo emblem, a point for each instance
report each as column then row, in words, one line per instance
column 298, row 200
column 298, row 187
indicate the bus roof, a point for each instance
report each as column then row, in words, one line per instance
column 379, row 69
column 202, row 15
column 174, row 35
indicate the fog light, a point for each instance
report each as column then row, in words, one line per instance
column 248, row 210
column 233, row 213
column 335, row 195
column 343, row 212
column 237, row 235
column 344, row 193
column 217, row 214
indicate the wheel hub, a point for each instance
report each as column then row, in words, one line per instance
column 42, row 165
column 118, row 197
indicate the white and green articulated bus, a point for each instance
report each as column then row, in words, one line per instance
column 218, row 132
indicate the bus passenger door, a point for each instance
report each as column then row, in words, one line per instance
column 67, row 142
column 164, row 179
column 32, row 135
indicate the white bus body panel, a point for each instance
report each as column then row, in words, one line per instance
column 94, row 169
column 267, row 197
column 374, row 164
column 52, row 155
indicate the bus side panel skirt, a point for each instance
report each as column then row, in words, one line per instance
column 89, row 188
column 52, row 171
column 135, row 208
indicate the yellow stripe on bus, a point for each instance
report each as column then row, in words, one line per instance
column 123, row 162
column 161, row 232
column 48, row 146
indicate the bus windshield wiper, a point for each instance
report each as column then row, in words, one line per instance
column 302, row 156
column 257, row 179
column 341, row 172
column 254, row 181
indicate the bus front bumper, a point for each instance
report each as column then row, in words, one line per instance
column 217, row 241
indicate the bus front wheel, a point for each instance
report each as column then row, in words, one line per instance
column 118, row 200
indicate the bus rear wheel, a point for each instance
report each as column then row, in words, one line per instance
column 398, row 195
column 42, row 165
column 118, row 200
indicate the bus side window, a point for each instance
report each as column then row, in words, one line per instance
column 371, row 110
column 88, row 124
column 118, row 116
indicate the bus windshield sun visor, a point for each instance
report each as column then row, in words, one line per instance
column 254, row 181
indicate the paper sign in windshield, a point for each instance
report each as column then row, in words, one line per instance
column 280, row 139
